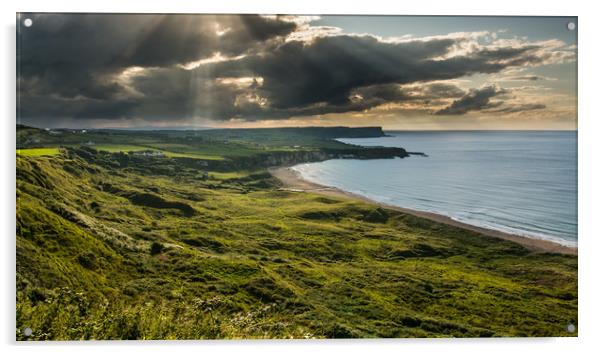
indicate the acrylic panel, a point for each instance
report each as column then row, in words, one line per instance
column 198, row 176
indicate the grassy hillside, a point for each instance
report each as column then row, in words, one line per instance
column 114, row 245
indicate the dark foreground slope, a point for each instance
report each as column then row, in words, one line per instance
column 155, row 249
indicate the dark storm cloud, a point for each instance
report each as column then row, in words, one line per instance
column 74, row 66
column 395, row 93
column 480, row 100
column 439, row 90
column 328, row 69
column 526, row 78
column 74, row 54
column 50, row 108
column 182, row 38
column 474, row 100
column 518, row 108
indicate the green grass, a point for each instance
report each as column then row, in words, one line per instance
column 119, row 148
column 132, row 148
column 229, row 175
column 38, row 152
column 192, row 155
column 243, row 259
column 215, row 150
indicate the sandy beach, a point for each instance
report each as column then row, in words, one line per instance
column 293, row 181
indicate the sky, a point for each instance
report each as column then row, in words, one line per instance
column 196, row 71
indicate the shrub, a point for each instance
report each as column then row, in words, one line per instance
column 156, row 248
column 378, row 215
column 88, row 260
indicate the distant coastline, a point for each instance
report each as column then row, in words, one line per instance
column 293, row 181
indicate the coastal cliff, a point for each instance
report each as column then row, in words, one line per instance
column 296, row 157
column 237, row 148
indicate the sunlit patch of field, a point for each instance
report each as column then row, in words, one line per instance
column 214, row 150
column 168, row 153
column 38, row 152
column 191, row 155
column 120, row 148
column 228, row 175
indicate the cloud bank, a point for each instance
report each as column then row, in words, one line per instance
column 153, row 68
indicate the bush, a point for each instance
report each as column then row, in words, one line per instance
column 154, row 201
column 378, row 215
column 156, row 248
column 88, row 261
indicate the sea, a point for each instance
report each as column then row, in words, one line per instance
column 519, row 182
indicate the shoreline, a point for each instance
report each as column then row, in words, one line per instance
column 292, row 181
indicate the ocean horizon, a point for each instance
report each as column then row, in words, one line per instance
column 519, row 182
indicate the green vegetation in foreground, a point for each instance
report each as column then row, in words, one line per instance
column 38, row 152
column 121, row 246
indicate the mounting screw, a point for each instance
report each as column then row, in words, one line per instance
column 571, row 26
column 27, row 331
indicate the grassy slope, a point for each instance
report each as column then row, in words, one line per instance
column 241, row 259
